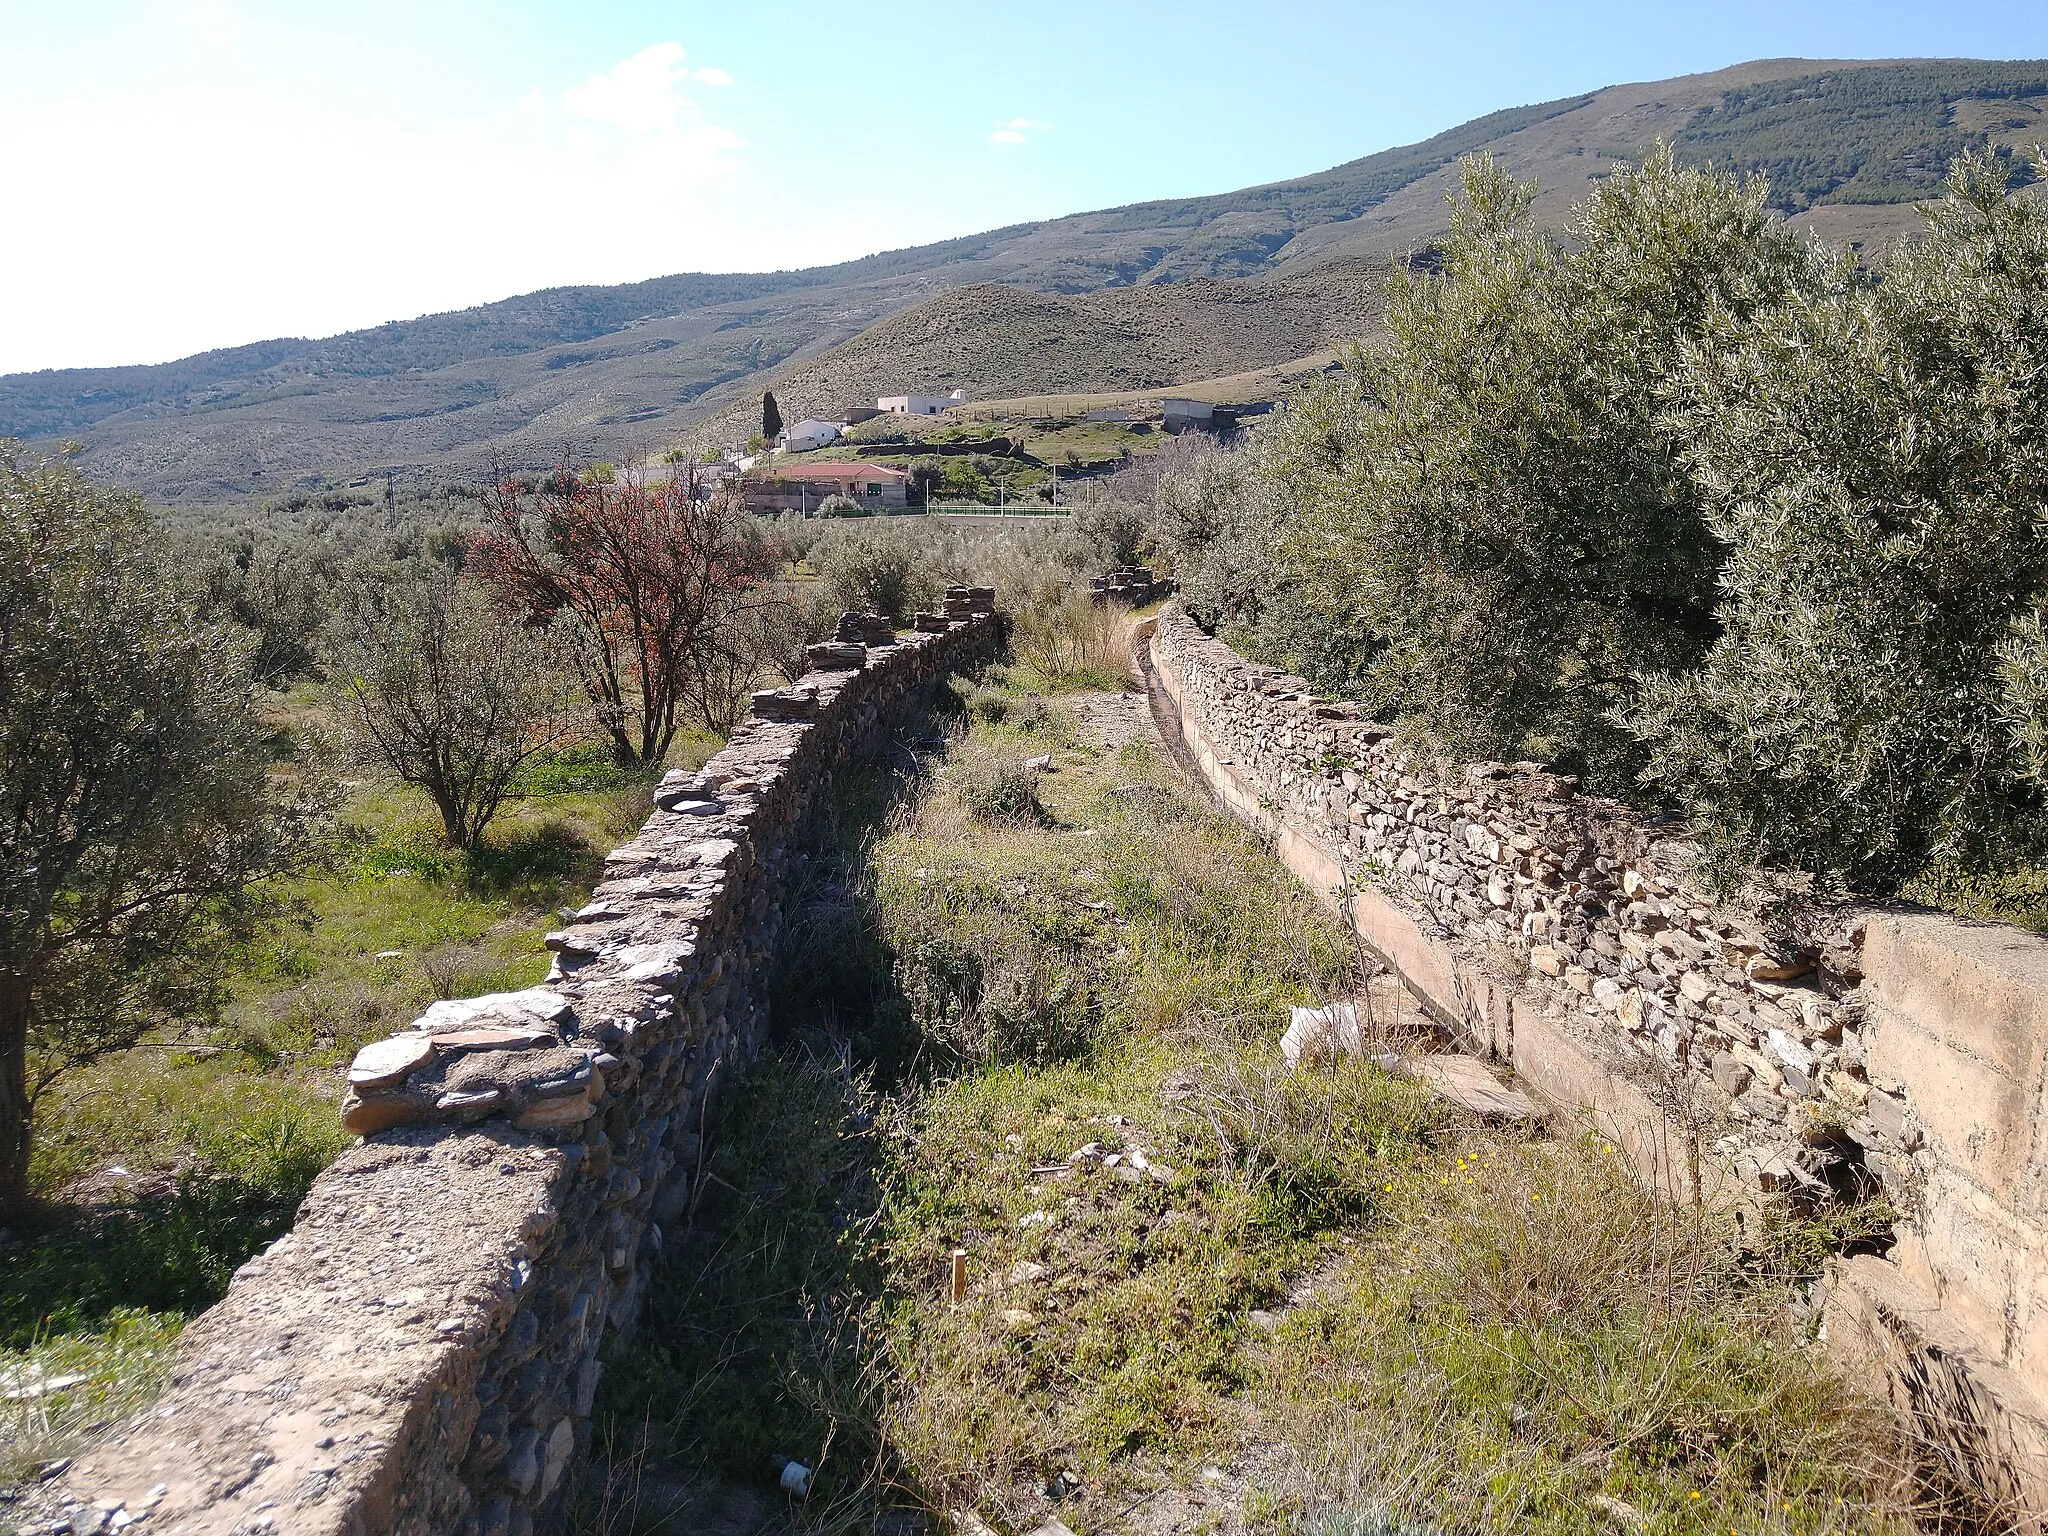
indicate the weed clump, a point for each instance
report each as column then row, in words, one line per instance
column 1071, row 642
column 994, row 785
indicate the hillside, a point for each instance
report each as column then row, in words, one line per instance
column 992, row 339
column 608, row 370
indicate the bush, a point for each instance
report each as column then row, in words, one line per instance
column 993, row 785
column 1494, row 499
column 1075, row 641
column 991, row 706
column 1119, row 532
column 1876, row 462
column 876, row 570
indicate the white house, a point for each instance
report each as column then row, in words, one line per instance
column 920, row 405
column 806, row 435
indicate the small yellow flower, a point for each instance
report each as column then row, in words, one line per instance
column 1695, row 1493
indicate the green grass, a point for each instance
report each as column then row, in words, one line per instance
column 1532, row 1341
column 122, row 1365
column 749, row 1348
column 1502, row 1335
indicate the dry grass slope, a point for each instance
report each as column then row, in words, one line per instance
column 993, row 340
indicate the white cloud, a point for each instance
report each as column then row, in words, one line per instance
column 639, row 94
column 182, row 161
column 1013, row 130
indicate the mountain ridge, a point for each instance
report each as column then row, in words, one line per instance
column 605, row 370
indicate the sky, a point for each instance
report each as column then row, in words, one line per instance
column 192, row 174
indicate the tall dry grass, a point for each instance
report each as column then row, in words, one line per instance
column 1074, row 642
column 1540, row 1345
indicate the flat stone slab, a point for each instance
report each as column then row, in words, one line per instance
column 514, row 1008
column 1465, row 1082
column 386, row 1063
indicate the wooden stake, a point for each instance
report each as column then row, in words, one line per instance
column 959, row 1276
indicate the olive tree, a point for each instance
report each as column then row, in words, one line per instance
column 1875, row 459
column 443, row 689
column 137, row 807
column 876, row 569
column 1490, row 507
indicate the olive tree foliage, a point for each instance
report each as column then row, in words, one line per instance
column 440, row 687
column 879, row 569
column 279, row 589
column 1118, row 532
column 138, row 811
column 1874, row 457
column 1491, row 513
column 1689, row 505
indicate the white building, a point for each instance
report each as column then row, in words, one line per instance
column 920, row 405
column 806, row 435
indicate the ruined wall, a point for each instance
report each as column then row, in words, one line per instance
column 419, row 1354
column 1561, row 932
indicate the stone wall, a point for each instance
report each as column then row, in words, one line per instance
column 419, row 1354
column 1562, row 933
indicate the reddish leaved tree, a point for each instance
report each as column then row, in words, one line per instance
column 655, row 575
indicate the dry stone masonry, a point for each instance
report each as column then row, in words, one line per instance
column 419, row 1354
column 1131, row 585
column 1855, row 1051
column 1576, row 905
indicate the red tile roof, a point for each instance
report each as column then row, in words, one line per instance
column 837, row 471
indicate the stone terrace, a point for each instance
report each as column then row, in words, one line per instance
column 1564, row 934
column 419, row 1354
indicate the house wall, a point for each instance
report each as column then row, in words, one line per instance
column 1562, row 933
column 420, row 1353
column 894, row 496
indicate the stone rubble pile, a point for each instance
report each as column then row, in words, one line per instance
column 966, row 602
column 1578, row 901
column 420, row 1353
column 1132, row 585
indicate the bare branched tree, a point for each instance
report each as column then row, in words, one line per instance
column 652, row 576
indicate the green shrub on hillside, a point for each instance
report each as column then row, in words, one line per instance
column 1861, row 136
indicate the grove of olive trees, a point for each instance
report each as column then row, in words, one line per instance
column 1686, row 503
